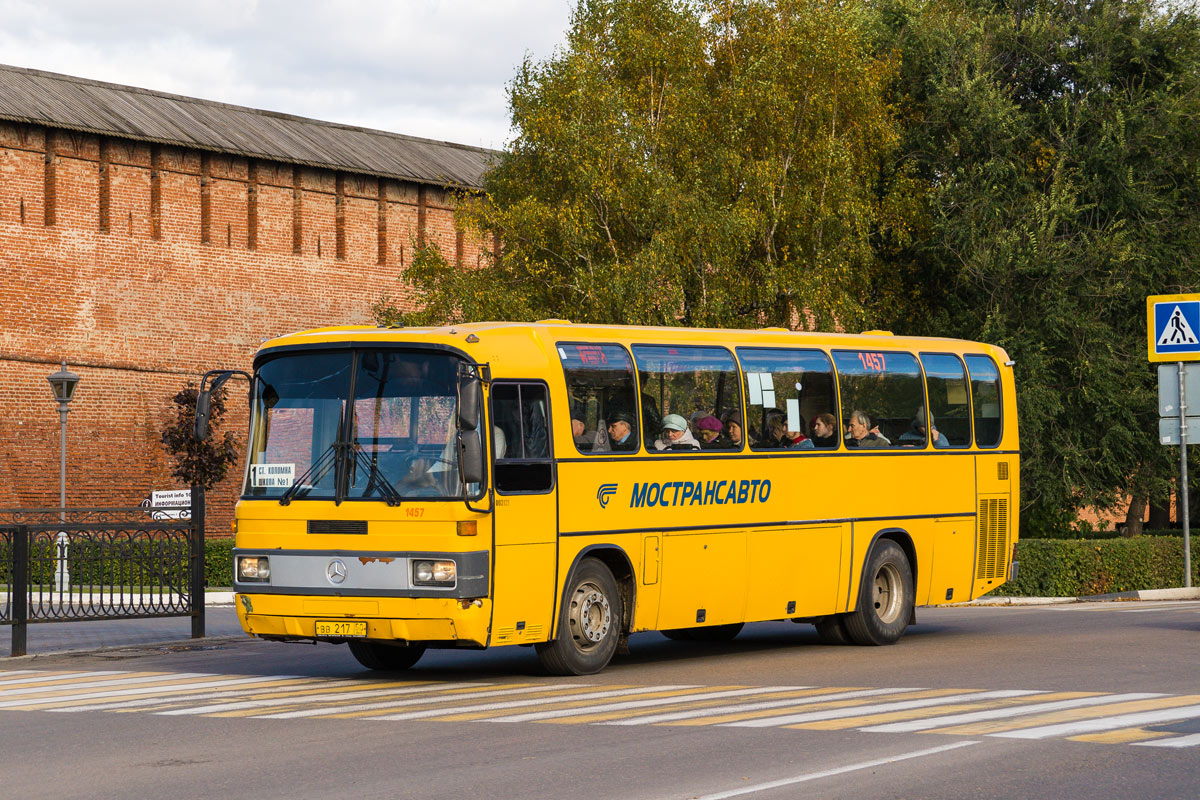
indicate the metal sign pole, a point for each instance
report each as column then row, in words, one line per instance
column 1183, row 480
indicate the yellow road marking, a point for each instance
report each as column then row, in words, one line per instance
column 933, row 711
column 319, row 700
column 1066, row 715
column 815, row 705
column 567, row 702
column 1122, row 736
column 698, row 702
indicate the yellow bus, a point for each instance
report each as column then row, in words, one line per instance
column 565, row 486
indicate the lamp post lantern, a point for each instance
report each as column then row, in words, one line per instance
column 64, row 384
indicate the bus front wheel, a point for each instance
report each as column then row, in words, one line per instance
column 386, row 657
column 885, row 599
column 589, row 626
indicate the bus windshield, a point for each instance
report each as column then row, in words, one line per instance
column 375, row 424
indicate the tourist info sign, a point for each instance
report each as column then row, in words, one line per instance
column 1173, row 327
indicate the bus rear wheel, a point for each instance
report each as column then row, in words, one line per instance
column 589, row 626
column 386, row 657
column 885, row 599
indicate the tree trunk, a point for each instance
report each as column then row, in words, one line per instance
column 1160, row 514
column 1133, row 518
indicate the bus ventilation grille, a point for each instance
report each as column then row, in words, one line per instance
column 1002, row 470
column 354, row 526
column 991, row 558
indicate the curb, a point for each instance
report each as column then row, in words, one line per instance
column 1142, row 594
column 220, row 597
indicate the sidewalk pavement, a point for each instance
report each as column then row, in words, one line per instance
column 220, row 621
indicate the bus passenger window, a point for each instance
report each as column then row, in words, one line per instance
column 600, row 390
column 520, row 422
column 882, row 393
column 985, row 396
column 949, row 400
column 790, row 399
column 691, row 388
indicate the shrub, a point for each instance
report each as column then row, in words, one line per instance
column 1079, row 567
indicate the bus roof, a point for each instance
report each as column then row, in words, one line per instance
column 500, row 342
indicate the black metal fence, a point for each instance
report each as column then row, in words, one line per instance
column 68, row 565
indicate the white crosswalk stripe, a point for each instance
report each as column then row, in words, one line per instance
column 292, row 700
column 1103, row 723
column 674, row 716
column 1000, row 713
column 441, row 712
column 412, row 701
column 879, row 708
column 657, row 701
column 1191, row 740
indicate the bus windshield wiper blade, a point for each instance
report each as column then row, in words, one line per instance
column 377, row 481
column 323, row 463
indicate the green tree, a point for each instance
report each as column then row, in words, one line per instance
column 199, row 462
column 1057, row 151
column 685, row 162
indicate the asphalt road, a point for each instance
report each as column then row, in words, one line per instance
column 1089, row 700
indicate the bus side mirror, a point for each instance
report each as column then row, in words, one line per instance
column 203, row 410
column 470, row 457
column 469, row 396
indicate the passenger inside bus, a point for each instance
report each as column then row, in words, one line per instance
column 712, row 435
column 675, row 435
column 620, row 431
column 859, row 432
column 824, row 431
column 915, row 435
column 733, row 428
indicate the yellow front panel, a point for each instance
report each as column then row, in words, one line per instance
column 409, row 618
column 524, row 593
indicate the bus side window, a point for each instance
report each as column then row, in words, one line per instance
column 793, row 387
column 949, row 399
column 600, row 391
column 985, row 396
column 691, row 383
column 520, row 422
column 887, row 387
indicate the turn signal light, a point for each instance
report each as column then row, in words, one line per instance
column 468, row 527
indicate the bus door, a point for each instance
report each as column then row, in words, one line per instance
column 524, row 522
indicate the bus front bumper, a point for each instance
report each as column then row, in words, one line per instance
column 439, row 621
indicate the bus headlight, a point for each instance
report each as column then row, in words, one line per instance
column 254, row 568
column 434, row 573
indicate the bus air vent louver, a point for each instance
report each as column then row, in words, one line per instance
column 991, row 547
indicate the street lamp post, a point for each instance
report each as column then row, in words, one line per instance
column 63, row 383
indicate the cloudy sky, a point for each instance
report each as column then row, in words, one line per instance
column 433, row 68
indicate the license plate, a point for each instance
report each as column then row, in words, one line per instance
column 342, row 628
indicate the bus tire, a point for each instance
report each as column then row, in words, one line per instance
column 832, row 630
column 386, row 657
column 590, row 625
column 885, row 598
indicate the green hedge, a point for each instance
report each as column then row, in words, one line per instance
column 1079, row 567
column 218, row 562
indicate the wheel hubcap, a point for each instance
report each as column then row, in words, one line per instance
column 888, row 593
column 591, row 615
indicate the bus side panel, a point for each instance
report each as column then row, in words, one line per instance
column 645, row 616
column 794, row 572
column 703, row 579
column 951, row 569
column 996, row 521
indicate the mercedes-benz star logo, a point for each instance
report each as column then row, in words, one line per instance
column 336, row 571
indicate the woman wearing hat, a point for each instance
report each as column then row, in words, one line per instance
column 675, row 435
column 712, row 437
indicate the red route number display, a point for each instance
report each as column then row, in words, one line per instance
column 872, row 361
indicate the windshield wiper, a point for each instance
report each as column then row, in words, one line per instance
column 377, row 481
column 323, row 463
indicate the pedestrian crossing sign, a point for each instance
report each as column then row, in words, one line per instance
column 1173, row 327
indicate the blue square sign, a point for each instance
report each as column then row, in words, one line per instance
column 1173, row 327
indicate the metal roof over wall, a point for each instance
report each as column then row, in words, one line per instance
column 109, row 109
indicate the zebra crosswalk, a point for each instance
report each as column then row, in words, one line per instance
column 1150, row 719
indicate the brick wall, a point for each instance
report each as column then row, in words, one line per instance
column 143, row 266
